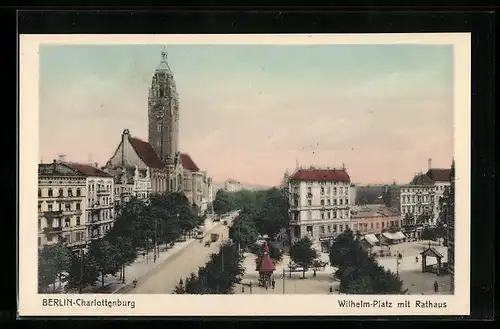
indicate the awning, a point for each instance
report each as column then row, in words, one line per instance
column 371, row 239
column 394, row 236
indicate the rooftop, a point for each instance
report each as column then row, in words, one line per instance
column 321, row 175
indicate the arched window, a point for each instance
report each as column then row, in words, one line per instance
column 61, row 192
column 50, row 192
column 78, row 192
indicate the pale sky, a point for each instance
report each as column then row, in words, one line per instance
column 249, row 111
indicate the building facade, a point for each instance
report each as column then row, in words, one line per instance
column 130, row 183
column 374, row 219
column 232, row 185
column 75, row 203
column 319, row 203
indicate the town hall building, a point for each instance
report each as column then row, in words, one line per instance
column 159, row 159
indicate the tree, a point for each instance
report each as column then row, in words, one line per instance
column 358, row 271
column 303, row 253
column 179, row 289
column 243, row 231
column 428, row 234
column 53, row 260
column 106, row 256
column 273, row 215
column 83, row 272
column 221, row 202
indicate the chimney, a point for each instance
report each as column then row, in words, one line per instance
column 429, row 163
column 96, row 165
column 54, row 164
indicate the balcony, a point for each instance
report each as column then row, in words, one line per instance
column 52, row 214
column 103, row 192
column 52, row 230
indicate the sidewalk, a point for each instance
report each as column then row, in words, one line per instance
column 143, row 265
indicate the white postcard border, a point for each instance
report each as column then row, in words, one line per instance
column 30, row 302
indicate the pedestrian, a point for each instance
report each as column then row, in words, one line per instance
column 273, row 283
column 399, row 255
column 250, row 287
column 436, row 287
column 242, row 289
column 416, row 259
column 331, row 289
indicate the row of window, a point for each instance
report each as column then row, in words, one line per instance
column 333, row 202
column 70, row 192
column 59, row 222
column 415, row 198
column 414, row 209
column 68, row 206
column 311, row 183
column 103, row 201
column 330, row 214
column 363, row 227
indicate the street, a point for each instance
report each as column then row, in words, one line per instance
column 163, row 279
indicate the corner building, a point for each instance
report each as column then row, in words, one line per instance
column 320, row 202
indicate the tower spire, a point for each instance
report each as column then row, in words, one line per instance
column 164, row 54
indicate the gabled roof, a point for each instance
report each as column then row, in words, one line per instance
column 439, row 175
column 88, row 170
column 188, row 163
column 146, row 153
column 322, row 175
column 422, row 179
column 431, row 252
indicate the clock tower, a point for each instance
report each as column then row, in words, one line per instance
column 163, row 113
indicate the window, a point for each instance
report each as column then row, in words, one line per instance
column 158, row 127
column 68, row 206
column 341, row 228
column 309, row 203
column 322, row 228
column 328, row 214
column 322, row 202
column 328, row 201
column 162, row 91
column 334, row 202
column 335, row 228
column 334, row 214
column 341, row 201
column 334, row 190
column 329, row 228
column 50, row 207
column 39, row 192
column 77, row 220
column 322, row 215
column 61, row 192
column 322, row 190
column 346, row 201
column 371, row 225
column 39, row 207
column 50, row 192
column 70, row 192
column 308, row 190
column 78, row 192
column 67, row 222
column 78, row 206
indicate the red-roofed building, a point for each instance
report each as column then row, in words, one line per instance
column 169, row 169
column 320, row 199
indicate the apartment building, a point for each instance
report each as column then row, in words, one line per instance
column 320, row 201
column 61, row 205
column 75, row 203
column 130, row 182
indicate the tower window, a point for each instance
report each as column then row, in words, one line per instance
column 158, row 127
column 162, row 91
